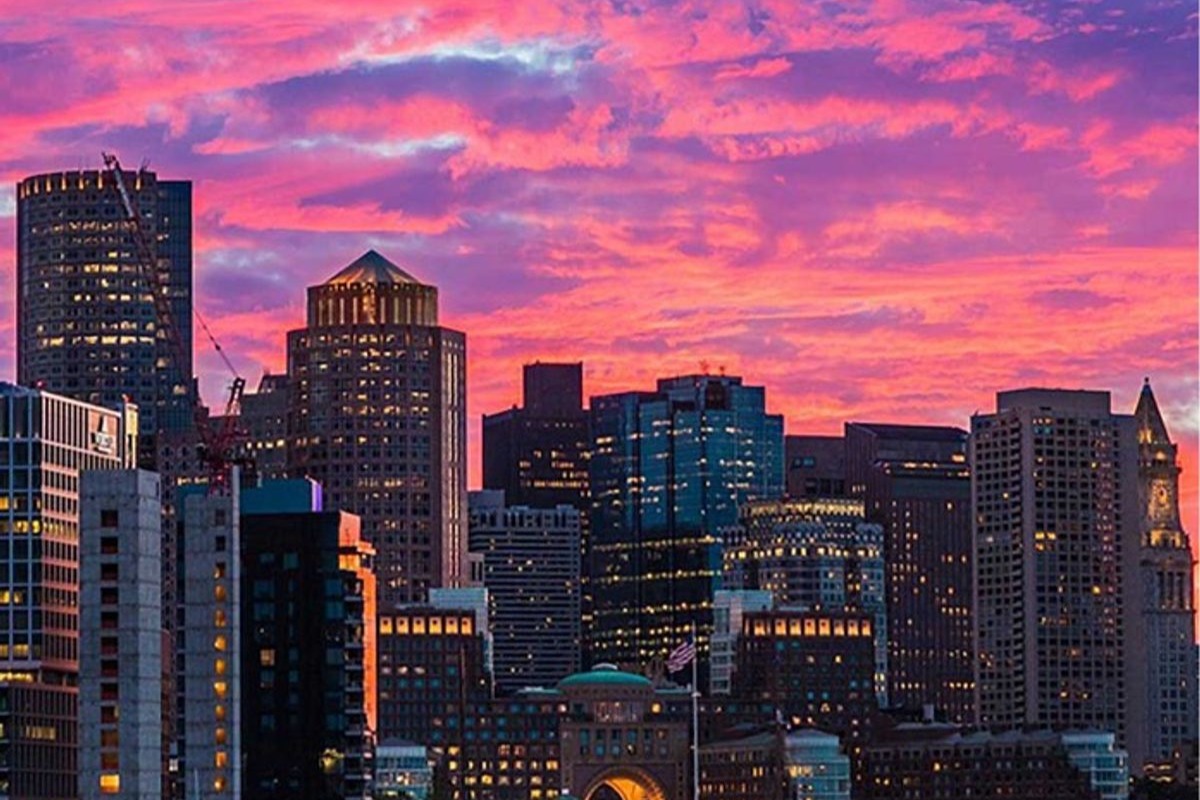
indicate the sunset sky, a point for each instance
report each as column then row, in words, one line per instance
column 882, row 211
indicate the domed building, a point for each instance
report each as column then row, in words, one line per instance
column 622, row 739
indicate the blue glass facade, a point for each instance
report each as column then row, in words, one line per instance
column 668, row 470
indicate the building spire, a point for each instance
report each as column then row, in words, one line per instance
column 1151, row 428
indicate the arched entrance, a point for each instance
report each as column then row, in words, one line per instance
column 624, row 783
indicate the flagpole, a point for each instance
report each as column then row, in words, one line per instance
column 695, row 717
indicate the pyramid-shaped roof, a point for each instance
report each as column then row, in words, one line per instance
column 1151, row 427
column 371, row 267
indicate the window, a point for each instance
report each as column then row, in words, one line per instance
column 108, row 518
column 108, row 545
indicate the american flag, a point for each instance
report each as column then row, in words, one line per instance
column 682, row 655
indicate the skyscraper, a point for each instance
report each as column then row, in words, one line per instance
column 308, row 656
column 86, row 322
column 1162, row 605
column 208, row 650
column 45, row 442
column 121, row 745
column 537, row 454
column 378, row 417
column 667, row 472
column 531, row 573
column 1054, row 493
column 915, row 483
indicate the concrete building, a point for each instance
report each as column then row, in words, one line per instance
column 121, row 742
column 816, row 466
column 816, row 554
column 1161, row 604
column 668, row 471
column 914, row 482
column 263, row 421
column 308, row 656
column 1054, row 496
column 46, row 441
column 378, row 418
column 531, row 573
column 941, row 760
column 208, row 650
column 86, row 322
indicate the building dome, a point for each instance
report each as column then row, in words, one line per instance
column 605, row 675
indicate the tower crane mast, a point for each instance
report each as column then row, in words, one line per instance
column 216, row 442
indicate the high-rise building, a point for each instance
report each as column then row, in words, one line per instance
column 915, row 483
column 1054, row 493
column 531, row 573
column 208, row 649
column 308, row 656
column 46, row 441
column 1161, row 606
column 537, row 454
column 121, row 746
column 86, row 321
column 378, row 417
column 816, row 466
column 816, row 554
column 667, row 472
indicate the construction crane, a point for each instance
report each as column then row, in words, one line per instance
column 215, row 443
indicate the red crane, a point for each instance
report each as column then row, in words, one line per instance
column 216, row 443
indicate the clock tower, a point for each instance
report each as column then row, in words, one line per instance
column 1166, row 600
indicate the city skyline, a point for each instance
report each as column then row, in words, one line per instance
column 1004, row 195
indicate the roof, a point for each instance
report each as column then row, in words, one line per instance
column 371, row 267
column 928, row 433
column 604, row 675
column 1151, row 427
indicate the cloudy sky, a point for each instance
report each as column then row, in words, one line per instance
column 881, row 210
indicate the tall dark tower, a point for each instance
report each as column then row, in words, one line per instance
column 378, row 417
column 86, row 322
column 538, row 454
column 1163, row 603
column 914, row 481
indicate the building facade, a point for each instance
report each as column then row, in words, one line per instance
column 941, row 760
column 378, row 417
column 308, row 656
column 208, row 651
column 816, row 466
column 915, row 483
column 46, row 441
column 1162, row 608
column 816, row 668
column 434, row 663
column 729, row 606
column 815, row 554
column 537, row 453
column 121, row 741
column 667, row 472
column 86, row 321
column 1054, row 492
column 531, row 561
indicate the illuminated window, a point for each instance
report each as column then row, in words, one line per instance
column 110, row 784
column 221, row 759
column 220, row 643
column 219, row 712
column 221, row 735
column 266, row 657
column 220, row 689
column 220, row 666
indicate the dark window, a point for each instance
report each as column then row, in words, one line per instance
column 108, row 518
column 108, row 545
